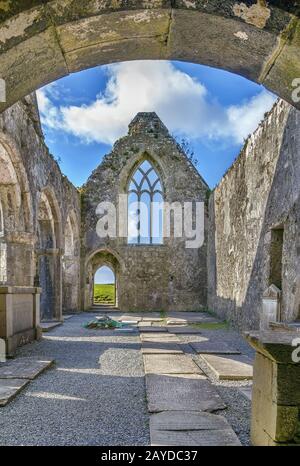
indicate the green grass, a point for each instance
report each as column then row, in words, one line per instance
column 104, row 294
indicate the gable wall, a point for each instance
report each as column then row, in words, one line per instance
column 160, row 277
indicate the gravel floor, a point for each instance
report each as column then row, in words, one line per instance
column 94, row 395
column 95, row 392
column 238, row 409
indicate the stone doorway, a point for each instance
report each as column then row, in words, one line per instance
column 102, row 265
column 105, row 287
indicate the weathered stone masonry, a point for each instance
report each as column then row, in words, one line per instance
column 256, row 202
column 152, row 277
column 48, row 234
column 39, row 223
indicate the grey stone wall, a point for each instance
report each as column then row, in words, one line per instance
column 38, row 176
column 260, row 192
column 150, row 277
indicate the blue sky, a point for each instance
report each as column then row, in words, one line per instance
column 104, row 275
column 84, row 113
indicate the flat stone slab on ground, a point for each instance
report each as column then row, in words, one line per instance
column 151, row 328
column 48, row 326
column 229, row 367
column 212, row 347
column 9, row 388
column 181, row 392
column 68, row 316
column 23, row 368
column 130, row 318
column 170, row 364
column 159, row 336
column 158, row 347
column 191, row 429
column 246, row 392
column 183, row 330
column 190, row 317
column 207, row 320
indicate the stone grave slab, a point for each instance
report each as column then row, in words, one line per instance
column 229, row 367
column 213, row 347
column 191, row 429
column 130, row 318
column 181, row 392
column 246, row 392
column 152, row 329
column 183, row 330
column 159, row 336
column 151, row 317
column 48, row 326
column 190, row 318
column 170, row 364
column 9, row 388
column 158, row 347
column 23, row 368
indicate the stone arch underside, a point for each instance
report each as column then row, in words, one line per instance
column 96, row 260
column 43, row 41
column 48, row 255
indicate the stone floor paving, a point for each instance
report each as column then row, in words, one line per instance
column 9, row 389
column 95, row 394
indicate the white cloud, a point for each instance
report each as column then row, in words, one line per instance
column 182, row 102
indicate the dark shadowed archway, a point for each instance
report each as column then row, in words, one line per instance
column 49, row 269
column 41, row 41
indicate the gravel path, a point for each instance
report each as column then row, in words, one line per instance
column 94, row 395
column 95, row 392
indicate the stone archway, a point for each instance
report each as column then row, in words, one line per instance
column 49, row 270
column 96, row 260
column 16, row 237
column 42, row 41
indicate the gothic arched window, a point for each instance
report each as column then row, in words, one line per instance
column 145, row 206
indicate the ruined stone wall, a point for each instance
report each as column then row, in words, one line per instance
column 21, row 136
column 260, row 192
column 150, row 277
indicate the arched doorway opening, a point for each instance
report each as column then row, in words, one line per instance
column 102, row 266
column 48, row 273
column 104, row 287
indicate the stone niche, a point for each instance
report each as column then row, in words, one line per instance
column 19, row 316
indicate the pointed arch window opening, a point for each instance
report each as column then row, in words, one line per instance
column 145, row 182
